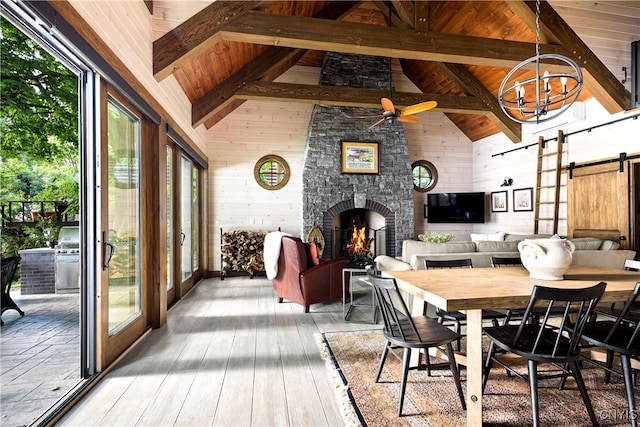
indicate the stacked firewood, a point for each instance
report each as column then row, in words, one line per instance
column 243, row 251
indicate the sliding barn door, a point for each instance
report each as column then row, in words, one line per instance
column 598, row 203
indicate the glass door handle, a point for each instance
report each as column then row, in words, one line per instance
column 183, row 236
column 106, row 245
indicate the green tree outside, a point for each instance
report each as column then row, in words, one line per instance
column 38, row 131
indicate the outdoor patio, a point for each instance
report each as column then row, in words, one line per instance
column 39, row 355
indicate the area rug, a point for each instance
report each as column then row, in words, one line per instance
column 352, row 359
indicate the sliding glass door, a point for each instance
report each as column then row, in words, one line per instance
column 122, row 294
column 171, row 288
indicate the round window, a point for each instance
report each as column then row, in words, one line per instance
column 271, row 172
column 425, row 175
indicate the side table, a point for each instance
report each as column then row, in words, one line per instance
column 357, row 277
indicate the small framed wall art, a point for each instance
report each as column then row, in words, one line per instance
column 523, row 199
column 499, row 201
column 360, row 157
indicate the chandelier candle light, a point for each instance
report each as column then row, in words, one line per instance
column 543, row 96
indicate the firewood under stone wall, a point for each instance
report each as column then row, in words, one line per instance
column 242, row 251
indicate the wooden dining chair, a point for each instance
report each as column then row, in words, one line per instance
column 456, row 317
column 403, row 331
column 497, row 261
column 547, row 341
column 617, row 337
column 515, row 313
column 610, row 310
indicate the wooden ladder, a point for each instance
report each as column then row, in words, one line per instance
column 554, row 179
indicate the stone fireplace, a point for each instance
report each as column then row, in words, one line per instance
column 326, row 192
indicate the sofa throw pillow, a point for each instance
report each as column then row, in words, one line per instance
column 489, row 246
column 586, row 243
column 444, row 248
column 518, row 237
column 491, row 237
column 312, row 254
column 609, row 245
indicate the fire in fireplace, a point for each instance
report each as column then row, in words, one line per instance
column 359, row 247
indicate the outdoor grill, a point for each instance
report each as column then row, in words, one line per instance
column 68, row 259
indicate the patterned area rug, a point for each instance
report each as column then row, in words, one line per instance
column 353, row 357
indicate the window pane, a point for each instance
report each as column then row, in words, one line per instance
column 196, row 219
column 169, row 218
column 124, row 213
column 424, row 175
column 271, row 172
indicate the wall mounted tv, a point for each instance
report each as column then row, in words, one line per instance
column 455, row 208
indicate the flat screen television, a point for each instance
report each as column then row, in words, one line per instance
column 455, row 208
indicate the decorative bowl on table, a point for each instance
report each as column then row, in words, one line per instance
column 546, row 259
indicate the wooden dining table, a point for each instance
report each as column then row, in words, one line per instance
column 473, row 289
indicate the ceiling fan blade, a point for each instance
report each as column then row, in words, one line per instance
column 368, row 116
column 377, row 123
column 409, row 119
column 388, row 105
column 418, row 108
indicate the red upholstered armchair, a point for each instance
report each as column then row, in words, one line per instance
column 304, row 279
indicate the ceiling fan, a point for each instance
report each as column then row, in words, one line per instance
column 405, row 115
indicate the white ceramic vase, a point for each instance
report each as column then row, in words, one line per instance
column 546, row 259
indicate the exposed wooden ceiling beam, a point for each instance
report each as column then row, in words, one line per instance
column 464, row 79
column 347, row 37
column 405, row 10
column 353, row 97
column 223, row 112
column 396, row 16
column 470, row 85
column 272, row 63
column 598, row 79
column 422, row 13
column 215, row 100
column 195, row 35
column 365, row 39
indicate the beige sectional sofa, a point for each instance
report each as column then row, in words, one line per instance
column 589, row 251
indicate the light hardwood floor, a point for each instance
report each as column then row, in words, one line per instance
column 229, row 355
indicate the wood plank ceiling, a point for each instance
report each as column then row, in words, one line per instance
column 455, row 52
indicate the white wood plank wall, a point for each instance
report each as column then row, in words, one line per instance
column 126, row 27
column 608, row 27
column 601, row 143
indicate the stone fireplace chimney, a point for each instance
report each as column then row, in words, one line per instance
column 326, row 192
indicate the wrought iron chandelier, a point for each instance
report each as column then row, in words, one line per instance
column 540, row 98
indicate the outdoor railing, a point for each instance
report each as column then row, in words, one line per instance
column 30, row 212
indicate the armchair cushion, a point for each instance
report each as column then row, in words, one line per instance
column 312, row 254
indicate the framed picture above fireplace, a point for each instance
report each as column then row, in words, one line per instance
column 360, row 157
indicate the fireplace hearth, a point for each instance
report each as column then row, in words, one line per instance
column 359, row 243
